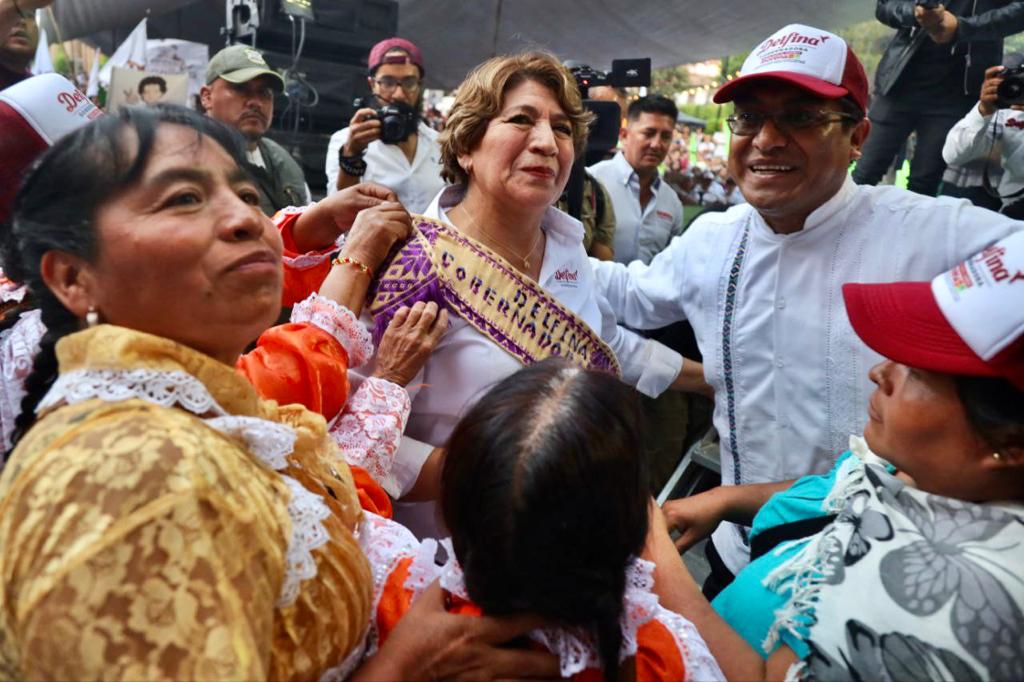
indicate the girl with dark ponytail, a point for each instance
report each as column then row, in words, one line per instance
column 545, row 494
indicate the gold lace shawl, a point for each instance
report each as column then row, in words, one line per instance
column 136, row 542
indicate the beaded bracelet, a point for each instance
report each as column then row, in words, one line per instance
column 18, row 10
column 354, row 263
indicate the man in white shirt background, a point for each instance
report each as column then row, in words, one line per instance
column 411, row 167
column 647, row 212
column 761, row 282
column 994, row 124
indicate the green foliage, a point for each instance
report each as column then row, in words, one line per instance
column 669, row 80
column 714, row 114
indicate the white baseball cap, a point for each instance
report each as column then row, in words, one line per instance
column 810, row 58
column 969, row 320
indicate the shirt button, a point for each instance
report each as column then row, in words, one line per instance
column 780, row 364
column 780, row 304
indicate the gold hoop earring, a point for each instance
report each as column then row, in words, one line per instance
column 92, row 318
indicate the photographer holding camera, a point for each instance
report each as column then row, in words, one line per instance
column 386, row 142
column 997, row 119
column 929, row 76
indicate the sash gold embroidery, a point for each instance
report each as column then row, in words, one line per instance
column 441, row 264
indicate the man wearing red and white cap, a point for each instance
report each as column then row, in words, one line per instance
column 761, row 283
column 967, row 321
column 412, row 167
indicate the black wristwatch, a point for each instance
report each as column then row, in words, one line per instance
column 353, row 166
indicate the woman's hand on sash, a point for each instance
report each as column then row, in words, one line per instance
column 408, row 342
column 322, row 223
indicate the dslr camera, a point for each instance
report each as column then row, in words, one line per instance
column 398, row 120
column 1011, row 90
column 625, row 73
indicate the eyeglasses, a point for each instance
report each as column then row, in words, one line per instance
column 387, row 83
column 746, row 123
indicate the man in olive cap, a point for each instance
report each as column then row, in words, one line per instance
column 239, row 92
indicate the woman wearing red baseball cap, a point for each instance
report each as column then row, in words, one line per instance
column 905, row 561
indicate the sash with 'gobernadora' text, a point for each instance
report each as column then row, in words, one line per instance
column 441, row 264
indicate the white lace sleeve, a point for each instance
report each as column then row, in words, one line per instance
column 18, row 348
column 369, row 429
column 385, row 543
column 701, row 666
column 339, row 322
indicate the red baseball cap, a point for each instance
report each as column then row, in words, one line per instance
column 379, row 54
column 810, row 58
column 968, row 320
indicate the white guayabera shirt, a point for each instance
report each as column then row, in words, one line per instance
column 790, row 375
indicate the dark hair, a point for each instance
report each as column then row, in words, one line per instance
column 55, row 209
column 995, row 409
column 652, row 104
column 544, row 489
column 848, row 106
column 152, row 80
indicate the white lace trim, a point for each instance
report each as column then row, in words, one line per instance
column 339, row 322
column 167, row 389
column 19, row 346
column 306, row 510
column 9, row 291
column 424, row 569
column 700, row 664
column 347, row 667
column 267, row 441
column 450, row 574
column 385, row 543
column 369, row 429
column 576, row 648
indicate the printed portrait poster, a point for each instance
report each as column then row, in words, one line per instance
column 170, row 55
column 129, row 87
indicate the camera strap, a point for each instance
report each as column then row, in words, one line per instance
column 986, row 181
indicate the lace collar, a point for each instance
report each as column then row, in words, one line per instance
column 113, row 364
column 108, row 347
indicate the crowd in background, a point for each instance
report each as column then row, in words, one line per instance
column 414, row 429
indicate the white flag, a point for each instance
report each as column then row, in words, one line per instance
column 131, row 54
column 42, row 62
column 93, row 89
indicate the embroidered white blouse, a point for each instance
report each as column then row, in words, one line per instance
column 466, row 363
column 790, row 376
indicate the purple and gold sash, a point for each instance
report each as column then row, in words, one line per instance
column 439, row 263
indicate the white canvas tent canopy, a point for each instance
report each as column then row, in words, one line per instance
column 455, row 35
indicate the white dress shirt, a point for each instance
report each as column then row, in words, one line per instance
column 465, row 364
column 415, row 183
column 790, row 375
column 973, row 137
column 640, row 233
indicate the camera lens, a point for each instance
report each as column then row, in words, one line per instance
column 392, row 128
